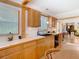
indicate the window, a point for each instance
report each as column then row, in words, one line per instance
column 44, row 23
column 8, row 19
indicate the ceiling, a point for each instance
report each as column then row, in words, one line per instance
column 53, row 7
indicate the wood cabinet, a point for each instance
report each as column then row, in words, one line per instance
column 28, row 50
column 49, row 42
column 60, row 39
column 13, row 52
column 26, row 1
column 40, row 48
column 3, row 58
column 54, row 21
column 29, row 53
column 33, row 18
column 15, row 55
column 43, row 45
column 2, row 53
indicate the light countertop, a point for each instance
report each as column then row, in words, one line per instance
column 5, row 43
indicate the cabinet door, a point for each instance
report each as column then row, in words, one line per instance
column 60, row 39
column 36, row 16
column 30, row 17
column 33, row 18
column 29, row 50
column 29, row 53
column 3, row 58
column 49, row 42
column 2, row 53
column 54, row 22
column 16, row 55
column 40, row 49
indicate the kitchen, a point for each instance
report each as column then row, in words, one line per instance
column 28, row 32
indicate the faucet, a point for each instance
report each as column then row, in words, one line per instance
column 10, row 38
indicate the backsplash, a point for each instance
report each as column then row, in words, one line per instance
column 32, row 31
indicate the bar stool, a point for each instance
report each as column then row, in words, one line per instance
column 50, row 52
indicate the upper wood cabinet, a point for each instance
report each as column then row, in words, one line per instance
column 54, row 22
column 26, row 1
column 33, row 18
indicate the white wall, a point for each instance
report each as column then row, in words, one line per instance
column 32, row 31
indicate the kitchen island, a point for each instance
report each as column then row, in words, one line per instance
column 26, row 48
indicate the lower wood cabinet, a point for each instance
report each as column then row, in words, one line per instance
column 3, row 58
column 49, row 42
column 60, row 40
column 15, row 55
column 40, row 48
column 29, row 50
column 29, row 53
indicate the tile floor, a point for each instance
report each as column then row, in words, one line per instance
column 69, row 50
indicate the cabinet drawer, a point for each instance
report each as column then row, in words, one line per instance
column 13, row 49
column 2, row 53
column 29, row 44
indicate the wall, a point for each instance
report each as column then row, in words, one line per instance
column 32, row 31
